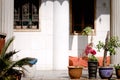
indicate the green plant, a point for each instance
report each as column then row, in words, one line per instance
column 110, row 45
column 87, row 31
column 117, row 66
column 92, row 58
column 9, row 67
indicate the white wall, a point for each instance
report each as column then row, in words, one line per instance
column 52, row 44
column 38, row 44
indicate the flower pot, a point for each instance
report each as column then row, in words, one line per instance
column 92, row 69
column 75, row 72
column 105, row 72
column 117, row 73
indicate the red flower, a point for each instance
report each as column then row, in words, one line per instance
column 92, row 51
column 89, row 49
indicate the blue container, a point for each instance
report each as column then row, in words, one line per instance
column 105, row 72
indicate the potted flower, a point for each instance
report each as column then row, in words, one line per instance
column 111, row 43
column 75, row 72
column 117, row 70
column 9, row 68
column 92, row 61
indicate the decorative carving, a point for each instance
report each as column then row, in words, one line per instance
column 25, row 12
column 34, row 13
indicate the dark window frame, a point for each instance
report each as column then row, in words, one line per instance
column 26, row 15
column 79, row 22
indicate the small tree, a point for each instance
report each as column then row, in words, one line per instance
column 110, row 45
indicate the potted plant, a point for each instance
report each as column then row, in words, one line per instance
column 10, row 69
column 111, row 43
column 92, row 60
column 92, row 67
column 75, row 72
column 117, row 70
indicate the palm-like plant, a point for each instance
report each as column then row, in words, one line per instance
column 8, row 66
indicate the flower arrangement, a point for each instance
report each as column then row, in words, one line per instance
column 90, row 52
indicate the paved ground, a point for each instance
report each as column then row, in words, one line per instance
column 50, row 75
column 55, row 75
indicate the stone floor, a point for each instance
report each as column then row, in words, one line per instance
column 55, row 75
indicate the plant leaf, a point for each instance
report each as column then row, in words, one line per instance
column 7, row 44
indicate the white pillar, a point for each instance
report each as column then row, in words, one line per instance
column 115, row 26
column 6, row 17
column 60, row 34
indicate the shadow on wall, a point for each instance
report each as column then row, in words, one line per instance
column 60, row 1
column 80, row 41
column 103, row 8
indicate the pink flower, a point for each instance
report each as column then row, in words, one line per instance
column 89, row 49
column 92, row 51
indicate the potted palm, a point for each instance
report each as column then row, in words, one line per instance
column 111, row 43
column 10, row 69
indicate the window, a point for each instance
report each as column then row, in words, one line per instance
column 81, row 15
column 26, row 14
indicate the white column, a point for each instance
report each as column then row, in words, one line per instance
column 60, row 34
column 6, row 14
column 115, row 26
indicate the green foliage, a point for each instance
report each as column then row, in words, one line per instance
column 100, row 45
column 7, row 44
column 117, row 66
column 111, row 45
column 87, row 31
column 92, row 58
column 8, row 66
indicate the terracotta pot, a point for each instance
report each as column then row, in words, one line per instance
column 105, row 72
column 117, row 73
column 75, row 72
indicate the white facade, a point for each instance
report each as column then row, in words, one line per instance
column 53, row 44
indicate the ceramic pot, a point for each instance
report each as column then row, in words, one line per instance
column 75, row 72
column 92, row 69
column 105, row 72
column 117, row 73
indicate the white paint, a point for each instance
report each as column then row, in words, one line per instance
column 115, row 26
column 52, row 44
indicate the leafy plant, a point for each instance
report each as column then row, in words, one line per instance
column 9, row 67
column 110, row 46
column 92, row 58
column 117, row 66
column 87, row 31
